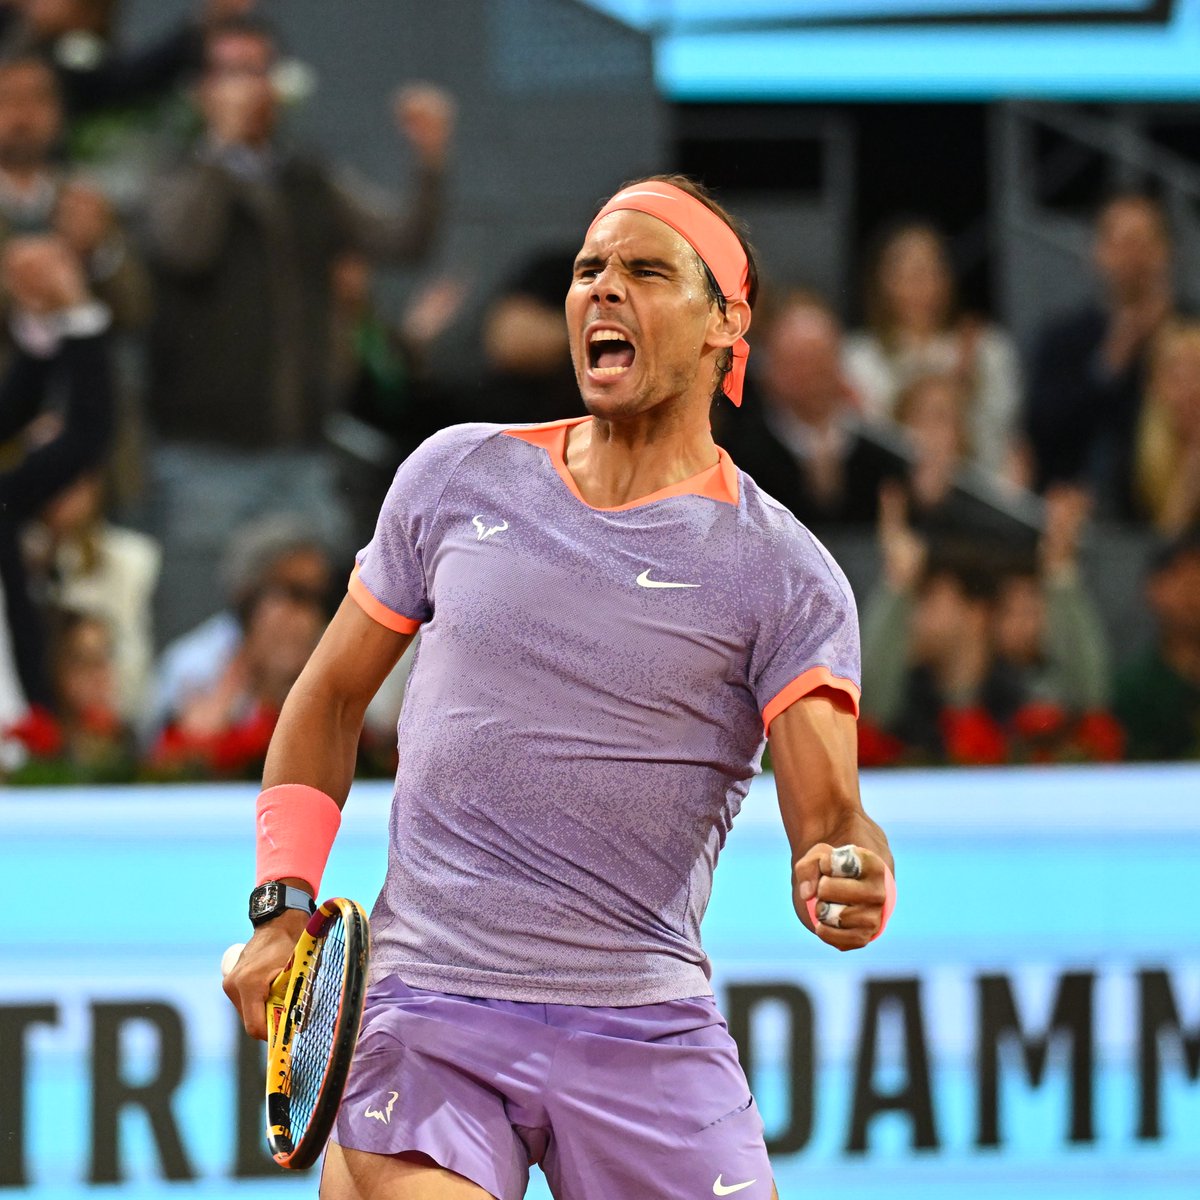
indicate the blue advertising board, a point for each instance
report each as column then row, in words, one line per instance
column 1030, row 1021
column 921, row 49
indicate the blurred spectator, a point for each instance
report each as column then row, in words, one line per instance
column 1158, row 694
column 76, row 38
column 244, row 236
column 278, row 552
column 1089, row 367
column 109, row 573
column 949, row 495
column 226, row 729
column 37, row 196
column 530, row 377
column 1048, row 634
column 95, row 738
column 383, row 402
column 62, row 357
column 914, row 328
column 1168, row 440
column 972, row 658
column 799, row 435
column 83, row 739
column 927, row 643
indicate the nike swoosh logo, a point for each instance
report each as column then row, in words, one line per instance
column 719, row 1189
column 644, row 580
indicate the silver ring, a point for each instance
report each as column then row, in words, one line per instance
column 830, row 914
column 846, row 863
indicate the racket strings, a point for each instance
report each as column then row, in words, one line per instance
column 316, row 1027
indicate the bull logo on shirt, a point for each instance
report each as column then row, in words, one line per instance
column 486, row 531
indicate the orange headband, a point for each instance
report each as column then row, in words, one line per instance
column 718, row 246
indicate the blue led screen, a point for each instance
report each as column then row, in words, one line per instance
column 921, row 49
column 1038, row 908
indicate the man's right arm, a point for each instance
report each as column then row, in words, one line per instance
column 315, row 743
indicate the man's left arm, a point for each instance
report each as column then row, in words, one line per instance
column 814, row 750
column 372, row 220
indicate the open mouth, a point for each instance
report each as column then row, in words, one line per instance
column 609, row 353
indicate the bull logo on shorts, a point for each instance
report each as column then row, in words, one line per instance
column 386, row 1114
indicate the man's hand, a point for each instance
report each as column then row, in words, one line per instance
column 43, row 275
column 425, row 116
column 265, row 955
column 840, row 894
column 84, row 218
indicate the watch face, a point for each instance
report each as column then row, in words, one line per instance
column 266, row 898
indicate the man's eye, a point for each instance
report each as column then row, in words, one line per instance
column 646, row 272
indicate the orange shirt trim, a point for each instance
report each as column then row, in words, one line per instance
column 802, row 685
column 377, row 610
column 719, row 482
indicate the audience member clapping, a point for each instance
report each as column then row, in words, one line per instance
column 949, row 494
column 1168, row 440
column 63, row 358
column 969, row 659
column 39, row 196
column 1089, row 366
column 1158, row 693
column 77, row 38
column 244, row 235
column 930, row 680
column 914, row 328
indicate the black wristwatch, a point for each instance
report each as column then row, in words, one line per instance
column 272, row 898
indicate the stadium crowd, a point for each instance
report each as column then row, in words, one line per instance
column 202, row 401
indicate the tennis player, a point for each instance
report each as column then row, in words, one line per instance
column 612, row 618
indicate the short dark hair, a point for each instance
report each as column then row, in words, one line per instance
column 248, row 26
column 697, row 190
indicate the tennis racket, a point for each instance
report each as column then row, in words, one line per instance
column 313, row 1015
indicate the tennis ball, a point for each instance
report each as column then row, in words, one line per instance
column 230, row 957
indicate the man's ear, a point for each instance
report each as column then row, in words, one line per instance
column 728, row 326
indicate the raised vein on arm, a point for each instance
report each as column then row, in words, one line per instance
column 814, row 750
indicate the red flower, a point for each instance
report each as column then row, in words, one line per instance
column 40, row 733
column 1100, row 737
column 877, row 747
column 1039, row 719
column 235, row 750
column 972, row 737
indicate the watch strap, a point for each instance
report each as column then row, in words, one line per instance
column 272, row 898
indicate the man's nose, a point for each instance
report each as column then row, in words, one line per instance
column 608, row 287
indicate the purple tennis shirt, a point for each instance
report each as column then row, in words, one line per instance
column 585, row 713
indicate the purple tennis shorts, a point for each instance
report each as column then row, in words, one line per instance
column 645, row 1103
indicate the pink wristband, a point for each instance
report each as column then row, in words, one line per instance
column 889, row 902
column 296, row 825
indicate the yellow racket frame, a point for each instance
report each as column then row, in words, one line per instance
column 285, row 1001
